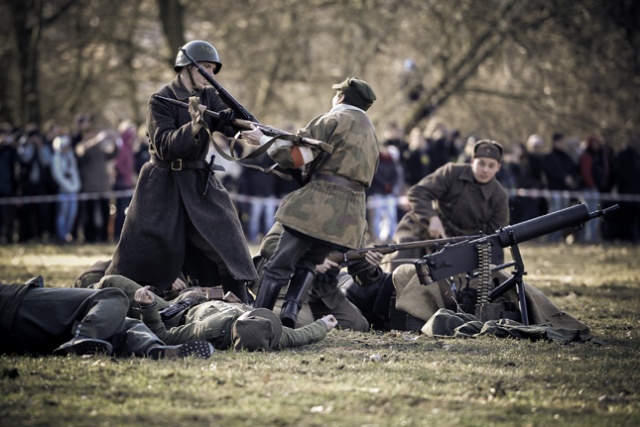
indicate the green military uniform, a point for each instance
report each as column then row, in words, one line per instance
column 463, row 205
column 208, row 320
column 213, row 321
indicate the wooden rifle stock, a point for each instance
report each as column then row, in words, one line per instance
column 358, row 254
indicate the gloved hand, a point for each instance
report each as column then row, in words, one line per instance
column 226, row 116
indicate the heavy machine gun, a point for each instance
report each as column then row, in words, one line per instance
column 476, row 255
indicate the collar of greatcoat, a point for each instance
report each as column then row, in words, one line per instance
column 486, row 189
column 178, row 89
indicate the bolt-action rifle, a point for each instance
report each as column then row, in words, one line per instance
column 472, row 255
column 245, row 122
column 247, row 125
column 238, row 108
column 359, row 254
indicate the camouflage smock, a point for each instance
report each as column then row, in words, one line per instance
column 327, row 211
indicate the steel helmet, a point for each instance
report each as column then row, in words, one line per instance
column 200, row 51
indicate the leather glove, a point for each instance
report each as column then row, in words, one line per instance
column 226, row 116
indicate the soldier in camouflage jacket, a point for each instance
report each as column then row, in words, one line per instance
column 329, row 212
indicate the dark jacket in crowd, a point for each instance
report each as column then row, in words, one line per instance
column 557, row 166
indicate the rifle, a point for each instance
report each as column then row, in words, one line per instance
column 473, row 254
column 358, row 254
column 248, row 125
column 238, row 108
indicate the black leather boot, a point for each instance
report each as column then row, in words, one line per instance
column 267, row 293
column 297, row 293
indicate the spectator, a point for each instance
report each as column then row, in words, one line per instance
column 124, row 171
column 628, row 167
column 440, row 148
column 531, row 178
column 94, row 157
column 381, row 196
column 82, row 129
column 394, row 135
column 65, row 172
column 466, row 153
column 609, row 229
column 561, row 174
column 34, row 159
column 260, row 209
column 8, row 181
column 595, row 171
column 416, row 160
column 51, row 131
column 140, row 152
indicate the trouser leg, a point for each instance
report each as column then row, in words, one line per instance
column 290, row 254
column 48, row 317
column 136, row 339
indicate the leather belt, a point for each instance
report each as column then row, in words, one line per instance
column 180, row 164
column 338, row 180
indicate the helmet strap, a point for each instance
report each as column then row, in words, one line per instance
column 194, row 88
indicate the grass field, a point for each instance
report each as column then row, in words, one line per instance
column 341, row 381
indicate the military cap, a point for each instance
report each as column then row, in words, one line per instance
column 488, row 148
column 256, row 330
column 356, row 92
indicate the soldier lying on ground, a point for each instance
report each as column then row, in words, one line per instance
column 225, row 322
column 38, row 320
column 226, row 325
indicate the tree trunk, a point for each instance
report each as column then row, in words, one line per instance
column 27, row 21
column 172, row 19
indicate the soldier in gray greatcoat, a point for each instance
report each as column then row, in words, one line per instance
column 181, row 219
column 329, row 212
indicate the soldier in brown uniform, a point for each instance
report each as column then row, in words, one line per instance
column 329, row 212
column 181, row 218
column 455, row 200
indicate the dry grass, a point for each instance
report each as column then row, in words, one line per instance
column 417, row 382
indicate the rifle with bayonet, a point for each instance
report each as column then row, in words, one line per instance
column 473, row 256
column 248, row 125
column 359, row 254
column 245, row 122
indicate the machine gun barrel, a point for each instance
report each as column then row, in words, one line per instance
column 574, row 216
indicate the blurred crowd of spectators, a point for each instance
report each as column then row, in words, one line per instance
column 62, row 185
